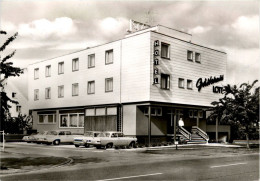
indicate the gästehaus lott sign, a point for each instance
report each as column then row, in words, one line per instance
column 209, row 81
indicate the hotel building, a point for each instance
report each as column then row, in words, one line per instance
column 142, row 84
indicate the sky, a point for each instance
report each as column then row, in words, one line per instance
column 49, row 29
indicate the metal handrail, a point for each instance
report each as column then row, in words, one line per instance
column 201, row 132
column 185, row 133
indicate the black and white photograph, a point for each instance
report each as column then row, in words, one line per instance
column 129, row 90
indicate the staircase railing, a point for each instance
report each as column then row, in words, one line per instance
column 202, row 133
column 185, row 133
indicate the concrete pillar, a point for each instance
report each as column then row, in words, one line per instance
column 217, row 130
column 149, row 126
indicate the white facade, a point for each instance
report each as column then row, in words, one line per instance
column 132, row 75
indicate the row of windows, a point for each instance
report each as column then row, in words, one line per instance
column 165, row 53
column 75, row 64
column 71, row 120
column 165, row 82
column 75, row 89
column 190, row 56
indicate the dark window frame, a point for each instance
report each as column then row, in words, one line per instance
column 59, row 69
column 167, row 86
column 168, row 47
column 73, row 60
column 110, row 50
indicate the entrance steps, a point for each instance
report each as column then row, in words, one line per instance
column 198, row 136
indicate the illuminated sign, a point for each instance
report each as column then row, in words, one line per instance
column 156, row 61
column 209, row 81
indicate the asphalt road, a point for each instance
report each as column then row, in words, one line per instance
column 170, row 164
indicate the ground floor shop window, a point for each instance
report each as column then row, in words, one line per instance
column 72, row 120
column 47, row 119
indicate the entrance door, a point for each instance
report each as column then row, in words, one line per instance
column 170, row 121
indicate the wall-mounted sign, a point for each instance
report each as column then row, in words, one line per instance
column 217, row 89
column 156, row 80
column 156, row 61
column 156, row 71
column 209, row 81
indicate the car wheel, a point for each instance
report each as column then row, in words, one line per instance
column 56, row 142
column 109, row 145
column 77, row 146
column 132, row 144
column 87, row 145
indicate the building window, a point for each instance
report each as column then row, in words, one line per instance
column 155, row 111
column 165, row 81
column 191, row 113
column 75, row 64
column 36, row 73
column 109, row 84
column 181, row 83
column 91, row 87
column 18, row 108
column 197, row 57
column 109, row 56
column 13, row 94
column 61, row 91
column 75, row 89
column 189, row 84
column 200, row 114
column 36, row 94
column 47, row 119
column 72, row 120
column 48, row 93
column 190, row 55
column 165, row 50
column 48, row 71
column 91, row 61
column 61, row 68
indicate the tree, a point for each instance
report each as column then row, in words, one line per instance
column 239, row 107
column 6, row 70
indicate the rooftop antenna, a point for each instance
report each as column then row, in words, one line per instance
column 149, row 17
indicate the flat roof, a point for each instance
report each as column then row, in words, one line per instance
column 130, row 37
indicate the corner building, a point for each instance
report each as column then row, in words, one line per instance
column 115, row 86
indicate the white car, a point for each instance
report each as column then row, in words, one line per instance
column 87, row 138
column 29, row 138
column 39, row 136
column 111, row 138
column 57, row 137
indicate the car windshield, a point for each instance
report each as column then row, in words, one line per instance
column 52, row 133
column 90, row 134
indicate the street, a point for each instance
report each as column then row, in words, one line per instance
column 186, row 163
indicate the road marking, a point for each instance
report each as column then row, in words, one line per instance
column 97, row 151
column 131, row 177
column 227, row 165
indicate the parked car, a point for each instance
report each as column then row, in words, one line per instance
column 57, row 137
column 29, row 138
column 111, row 138
column 39, row 136
column 87, row 138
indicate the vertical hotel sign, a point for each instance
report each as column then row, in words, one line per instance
column 156, row 54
